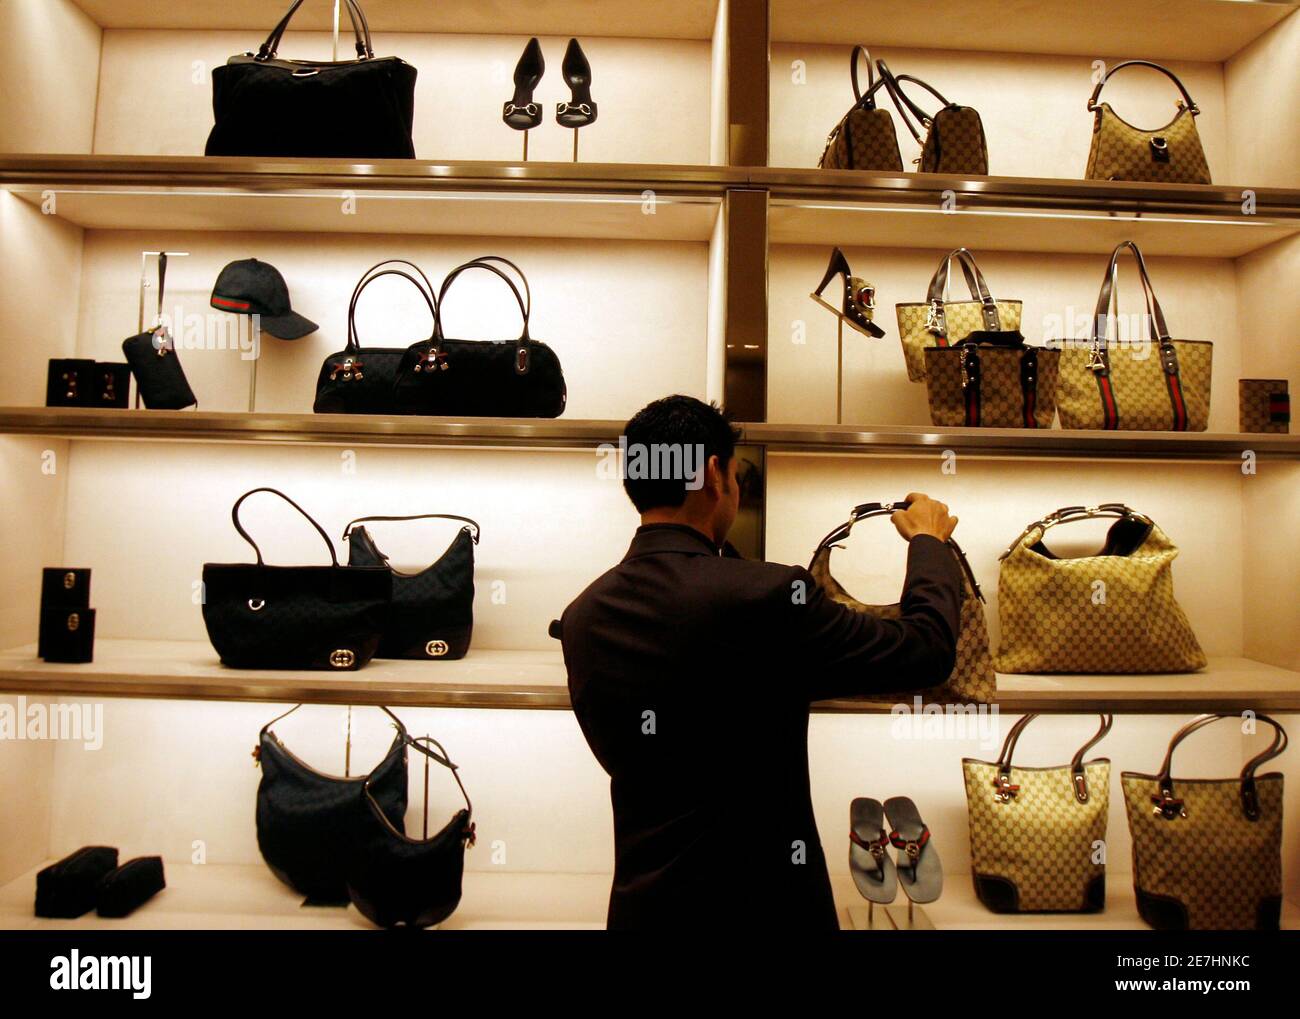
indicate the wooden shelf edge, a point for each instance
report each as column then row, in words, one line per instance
column 579, row 433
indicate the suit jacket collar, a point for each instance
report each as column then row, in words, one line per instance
column 653, row 539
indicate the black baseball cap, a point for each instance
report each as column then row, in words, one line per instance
column 250, row 287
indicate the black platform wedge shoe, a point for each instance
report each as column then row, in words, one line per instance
column 858, row 303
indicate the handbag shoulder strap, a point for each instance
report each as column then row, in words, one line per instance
column 528, row 294
column 937, row 296
column 1078, row 774
column 397, row 722
column 355, row 14
column 901, row 101
column 370, row 275
column 1096, row 92
column 474, row 533
column 234, row 516
column 867, row 100
column 1249, row 793
column 1155, row 314
column 523, row 345
column 425, row 745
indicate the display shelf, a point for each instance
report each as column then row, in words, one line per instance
column 573, row 433
column 190, row 670
column 248, row 897
column 1155, row 29
column 666, row 19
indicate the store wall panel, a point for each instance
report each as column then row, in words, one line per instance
column 1199, row 508
column 1259, row 82
column 26, row 780
column 1199, row 298
column 1271, row 534
column 156, row 94
column 1034, row 108
column 173, row 774
column 596, row 303
column 49, row 75
column 147, row 520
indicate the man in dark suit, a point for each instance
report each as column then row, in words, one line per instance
column 691, row 673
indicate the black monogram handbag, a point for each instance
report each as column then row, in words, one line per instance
column 308, row 821
column 477, row 378
column 294, row 617
column 396, row 880
column 432, row 612
column 159, row 378
column 357, row 381
column 349, row 109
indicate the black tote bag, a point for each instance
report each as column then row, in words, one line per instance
column 357, row 381
column 482, row 378
column 294, row 617
column 308, row 822
column 432, row 612
column 349, row 109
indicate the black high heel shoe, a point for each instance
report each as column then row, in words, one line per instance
column 579, row 111
column 859, row 300
column 521, row 112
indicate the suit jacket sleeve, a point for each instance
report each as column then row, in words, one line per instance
column 845, row 653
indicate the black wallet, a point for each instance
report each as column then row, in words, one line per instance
column 81, row 382
column 69, row 888
column 130, row 886
column 159, row 378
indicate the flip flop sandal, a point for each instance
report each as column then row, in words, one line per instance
column 869, row 861
column 919, row 870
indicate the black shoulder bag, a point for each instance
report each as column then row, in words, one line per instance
column 395, row 880
column 477, row 378
column 308, row 822
column 349, row 109
column 294, row 617
column 159, row 377
column 356, row 381
column 432, row 612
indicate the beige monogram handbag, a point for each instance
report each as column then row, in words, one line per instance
column 1171, row 154
column 864, row 139
column 1157, row 384
column 1037, row 835
column 1207, row 852
column 972, row 678
column 1110, row 612
column 939, row 322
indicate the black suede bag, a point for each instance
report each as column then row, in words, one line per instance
column 432, row 612
column 477, row 378
column 70, row 888
column 349, row 109
column 308, row 822
column 126, row 889
column 294, row 617
column 398, row 881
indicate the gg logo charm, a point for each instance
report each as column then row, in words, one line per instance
column 343, row 659
column 436, row 648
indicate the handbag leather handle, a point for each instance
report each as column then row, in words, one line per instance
column 1249, row 793
column 867, row 510
column 234, row 516
column 1096, row 92
column 396, row 721
column 353, row 343
column 1155, row 314
column 1068, row 514
column 867, row 101
column 418, row 516
column 355, row 14
column 528, row 293
column 523, row 345
column 937, row 295
column 440, row 755
column 903, row 102
column 1078, row 774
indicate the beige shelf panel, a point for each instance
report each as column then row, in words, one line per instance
column 248, row 897
column 1169, row 29
column 565, row 433
column 665, row 19
column 190, row 670
column 841, row 223
column 462, row 213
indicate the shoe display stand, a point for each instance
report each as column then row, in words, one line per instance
column 676, row 256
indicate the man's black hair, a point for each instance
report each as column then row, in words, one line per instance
column 682, row 422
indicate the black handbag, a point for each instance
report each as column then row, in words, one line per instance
column 159, row 378
column 395, row 880
column 477, row 378
column 432, row 612
column 294, row 617
column 349, row 109
column 307, row 821
column 356, row 381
